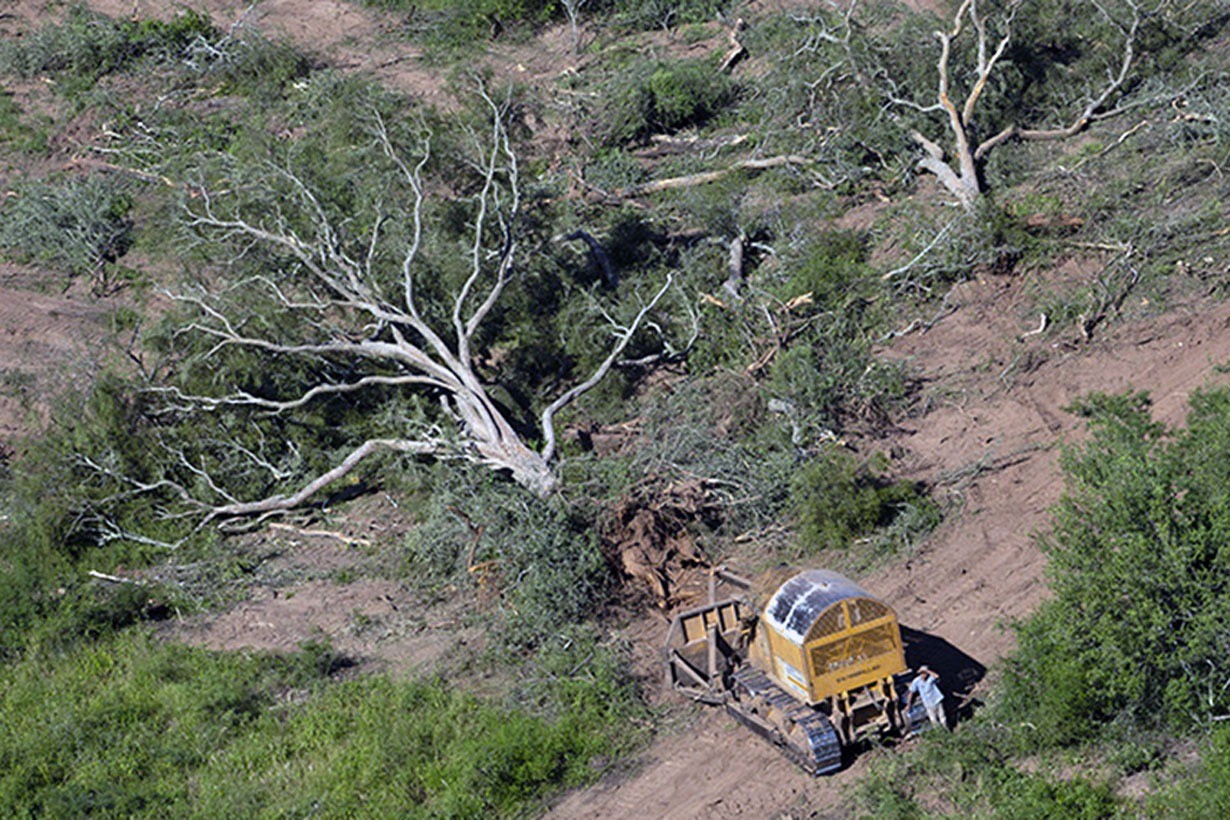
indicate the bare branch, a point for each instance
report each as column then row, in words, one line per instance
column 277, row 503
column 244, row 399
column 706, row 177
column 623, row 337
column 599, row 255
column 960, row 174
column 500, row 149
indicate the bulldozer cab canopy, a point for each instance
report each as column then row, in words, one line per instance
column 806, row 607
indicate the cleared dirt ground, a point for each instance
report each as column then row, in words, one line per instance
column 995, row 442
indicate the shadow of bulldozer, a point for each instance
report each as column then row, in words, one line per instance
column 958, row 672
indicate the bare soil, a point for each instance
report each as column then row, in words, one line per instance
column 48, row 341
column 986, row 433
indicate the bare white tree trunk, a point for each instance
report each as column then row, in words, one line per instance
column 960, row 174
column 350, row 309
column 573, row 9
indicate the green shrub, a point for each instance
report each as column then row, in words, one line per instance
column 832, row 267
column 115, row 726
column 132, row 726
column 663, row 96
column 614, row 169
column 253, row 66
column 11, row 126
column 830, row 376
column 463, row 25
column 414, row 749
column 969, row 773
column 78, row 226
column 716, row 429
column 1139, row 626
column 1204, row 792
column 87, row 46
column 828, row 373
column 837, row 501
column 1032, row 797
column 545, row 561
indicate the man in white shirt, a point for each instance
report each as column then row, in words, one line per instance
column 926, row 686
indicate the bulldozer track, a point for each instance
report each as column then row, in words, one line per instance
column 815, row 745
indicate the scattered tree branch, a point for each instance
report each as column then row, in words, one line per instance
column 360, row 324
column 961, row 174
column 737, row 51
column 601, row 259
column 705, row 177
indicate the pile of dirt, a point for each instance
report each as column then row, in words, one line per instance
column 646, row 535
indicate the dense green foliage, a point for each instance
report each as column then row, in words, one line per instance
column 1204, row 792
column 544, row 558
column 972, row 774
column 662, row 97
column 77, row 226
column 1139, row 623
column 1132, row 646
column 87, row 46
column 133, row 726
column 465, row 23
column 839, row 502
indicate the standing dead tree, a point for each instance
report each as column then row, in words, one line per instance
column 961, row 174
column 362, row 301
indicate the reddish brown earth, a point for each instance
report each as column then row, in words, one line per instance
column 986, row 434
column 48, row 341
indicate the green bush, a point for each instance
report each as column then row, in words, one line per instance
column 838, row 501
column 969, row 773
column 1139, row 626
column 253, row 66
column 87, row 46
column 716, row 429
column 1038, row 798
column 135, row 727
column 545, row 561
column 1203, row 792
column 451, row 26
column 14, row 130
column 828, row 373
column 379, row 748
column 78, row 226
column 651, row 98
column 832, row 267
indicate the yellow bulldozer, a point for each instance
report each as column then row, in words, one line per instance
column 805, row 658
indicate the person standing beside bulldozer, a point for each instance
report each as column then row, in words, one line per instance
column 926, row 686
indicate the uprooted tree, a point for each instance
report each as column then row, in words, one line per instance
column 972, row 140
column 352, row 305
column 1002, row 72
